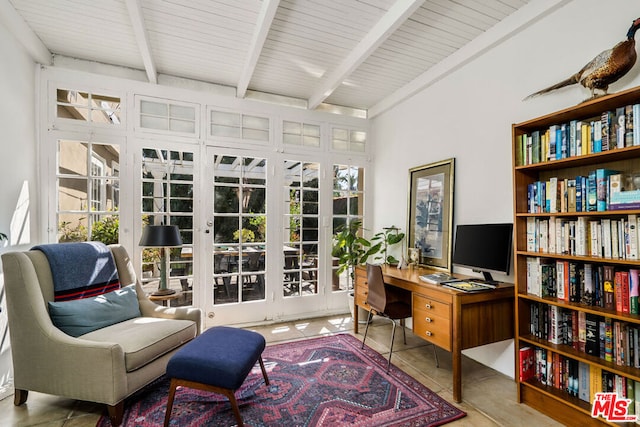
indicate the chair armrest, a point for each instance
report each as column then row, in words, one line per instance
column 150, row 309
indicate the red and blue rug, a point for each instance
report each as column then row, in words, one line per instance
column 326, row 381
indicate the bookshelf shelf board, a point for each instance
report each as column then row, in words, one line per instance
column 583, row 111
column 560, row 395
column 568, row 351
column 588, row 259
column 616, row 315
column 584, row 160
column 612, row 214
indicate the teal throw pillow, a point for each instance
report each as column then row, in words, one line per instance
column 79, row 317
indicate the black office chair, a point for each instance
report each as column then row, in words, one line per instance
column 389, row 302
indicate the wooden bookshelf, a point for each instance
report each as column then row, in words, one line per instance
column 554, row 401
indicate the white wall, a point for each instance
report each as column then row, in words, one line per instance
column 468, row 115
column 18, row 171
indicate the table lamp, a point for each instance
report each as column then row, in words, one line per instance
column 161, row 236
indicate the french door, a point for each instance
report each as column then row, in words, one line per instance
column 261, row 237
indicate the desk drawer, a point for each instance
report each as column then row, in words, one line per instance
column 362, row 292
column 430, row 305
column 432, row 328
column 432, row 321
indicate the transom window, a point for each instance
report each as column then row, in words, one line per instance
column 304, row 134
column 241, row 126
column 88, row 107
column 348, row 139
column 168, row 116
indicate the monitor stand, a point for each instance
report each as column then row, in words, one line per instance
column 488, row 279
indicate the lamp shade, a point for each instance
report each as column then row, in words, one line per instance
column 161, row 236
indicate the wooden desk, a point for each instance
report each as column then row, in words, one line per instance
column 452, row 320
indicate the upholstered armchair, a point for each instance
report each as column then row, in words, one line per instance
column 105, row 365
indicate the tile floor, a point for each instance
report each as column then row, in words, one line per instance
column 489, row 396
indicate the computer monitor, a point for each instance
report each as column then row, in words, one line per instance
column 484, row 248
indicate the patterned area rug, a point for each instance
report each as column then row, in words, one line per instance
column 326, row 381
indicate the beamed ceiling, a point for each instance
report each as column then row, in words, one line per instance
column 363, row 54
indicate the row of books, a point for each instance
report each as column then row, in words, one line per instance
column 600, row 238
column 609, row 131
column 601, row 190
column 592, row 285
column 611, row 340
column 577, row 378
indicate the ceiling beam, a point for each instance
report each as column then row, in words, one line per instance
column 17, row 26
column 503, row 30
column 265, row 18
column 140, row 31
column 394, row 18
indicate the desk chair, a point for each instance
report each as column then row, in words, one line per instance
column 389, row 302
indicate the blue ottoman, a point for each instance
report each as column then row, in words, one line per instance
column 218, row 360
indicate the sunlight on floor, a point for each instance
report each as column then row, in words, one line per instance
column 280, row 330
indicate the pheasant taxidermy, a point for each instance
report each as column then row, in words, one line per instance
column 606, row 68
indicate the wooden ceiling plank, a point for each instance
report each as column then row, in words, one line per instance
column 17, row 26
column 394, row 18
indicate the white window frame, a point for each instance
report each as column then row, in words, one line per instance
column 349, row 141
column 139, row 129
column 238, row 141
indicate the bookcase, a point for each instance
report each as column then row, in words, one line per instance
column 573, row 237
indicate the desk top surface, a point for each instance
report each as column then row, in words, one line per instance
column 411, row 276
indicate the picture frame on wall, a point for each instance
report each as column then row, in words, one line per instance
column 430, row 222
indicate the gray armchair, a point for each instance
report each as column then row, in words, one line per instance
column 104, row 366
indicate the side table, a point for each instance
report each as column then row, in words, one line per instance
column 165, row 299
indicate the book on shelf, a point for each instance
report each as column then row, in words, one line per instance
column 526, row 363
column 609, row 290
column 620, row 126
column 628, row 126
column 634, row 291
column 592, row 342
column 611, row 130
column 602, row 187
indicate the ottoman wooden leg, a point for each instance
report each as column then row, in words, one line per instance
column 264, row 372
column 172, row 393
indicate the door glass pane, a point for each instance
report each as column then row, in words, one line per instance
column 239, row 227
column 167, row 199
column 348, row 205
column 301, row 228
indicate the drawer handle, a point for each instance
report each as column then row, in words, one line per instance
column 428, row 333
column 428, row 319
column 428, row 305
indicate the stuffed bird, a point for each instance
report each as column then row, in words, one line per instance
column 606, row 68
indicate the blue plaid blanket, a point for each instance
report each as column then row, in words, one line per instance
column 80, row 270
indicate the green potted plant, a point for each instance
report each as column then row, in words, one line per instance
column 385, row 239
column 351, row 249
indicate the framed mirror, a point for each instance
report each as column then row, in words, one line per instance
column 430, row 225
